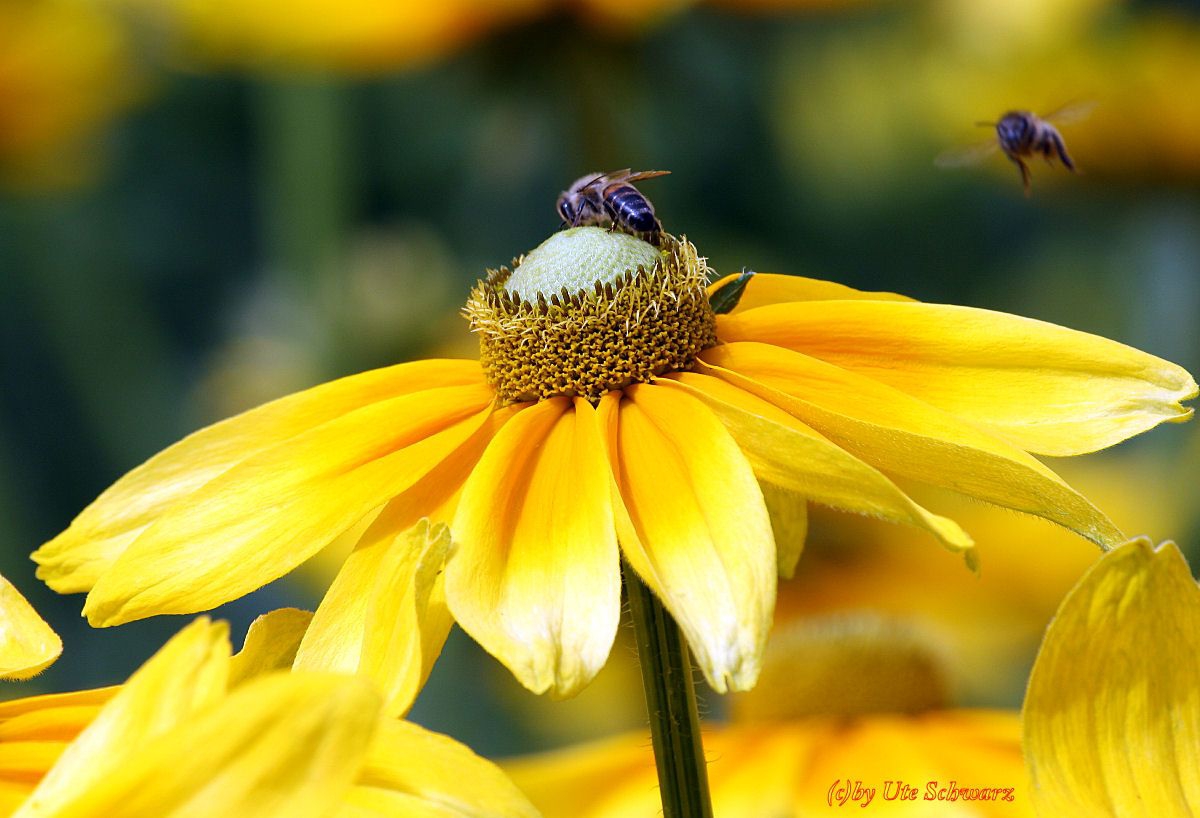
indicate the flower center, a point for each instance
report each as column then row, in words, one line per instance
column 590, row 311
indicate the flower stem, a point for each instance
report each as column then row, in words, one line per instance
column 671, row 703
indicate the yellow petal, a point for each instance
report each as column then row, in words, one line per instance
column 694, row 526
column 75, row 559
column 270, row 645
column 334, row 640
column 1042, row 387
column 27, row 644
column 281, row 745
column 268, row 514
column 772, row 288
column 407, row 619
column 789, row 454
column 535, row 579
column 789, row 523
column 408, row 760
column 1112, row 715
column 188, row 674
column 902, row 435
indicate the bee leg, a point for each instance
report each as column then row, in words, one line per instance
column 1061, row 150
column 1026, row 176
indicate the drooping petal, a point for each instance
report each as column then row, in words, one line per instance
column 268, row 514
column 772, row 288
column 1041, row 387
column 692, row 523
column 188, row 674
column 74, row 560
column 408, row 760
column 407, row 620
column 535, row 579
column 27, row 644
column 270, row 645
column 281, row 745
column 1112, row 714
column 334, row 640
column 789, row 524
column 790, row 454
column 905, row 436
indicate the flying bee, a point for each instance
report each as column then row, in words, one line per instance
column 1022, row 135
column 611, row 199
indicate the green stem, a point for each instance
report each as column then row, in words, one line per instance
column 671, row 703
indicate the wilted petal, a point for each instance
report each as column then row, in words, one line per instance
column 188, row 674
column 76, row 558
column 1042, row 387
column 281, row 745
column 693, row 524
column 268, row 514
column 407, row 760
column 905, row 436
column 271, row 643
column 27, row 644
column 536, row 578
column 1112, row 715
column 787, row 453
column 772, row 288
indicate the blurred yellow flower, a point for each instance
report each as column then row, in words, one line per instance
column 993, row 623
column 845, row 715
column 27, row 644
column 654, row 432
column 65, row 72
column 1112, row 715
column 197, row 732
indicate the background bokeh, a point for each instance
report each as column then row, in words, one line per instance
column 205, row 204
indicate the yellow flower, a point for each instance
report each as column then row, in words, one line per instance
column 619, row 409
column 66, row 70
column 1112, row 715
column 198, row 732
column 842, row 711
column 27, row 644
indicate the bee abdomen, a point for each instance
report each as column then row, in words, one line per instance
column 629, row 207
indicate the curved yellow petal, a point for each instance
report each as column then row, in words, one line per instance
column 902, row 435
column 788, row 453
column 773, row 288
column 408, row 760
column 188, row 674
column 1112, row 714
column 692, row 523
column 407, row 620
column 789, row 524
column 334, row 640
column 74, row 560
column 271, row 643
column 268, row 514
column 27, row 644
column 282, row 744
column 535, row 579
column 1042, row 387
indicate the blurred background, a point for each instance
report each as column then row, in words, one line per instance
column 205, row 204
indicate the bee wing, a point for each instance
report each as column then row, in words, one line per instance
column 645, row 174
column 1071, row 112
column 967, row 155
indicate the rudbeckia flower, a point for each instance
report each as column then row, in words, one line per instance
column 848, row 714
column 613, row 411
column 1112, row 714
column 198, row 732
column 27, row 644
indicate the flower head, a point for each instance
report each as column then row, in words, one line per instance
column 557, row 454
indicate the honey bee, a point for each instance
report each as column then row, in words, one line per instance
column 611, row 199
column 1022, row 135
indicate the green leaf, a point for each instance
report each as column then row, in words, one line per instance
column 725, row 298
